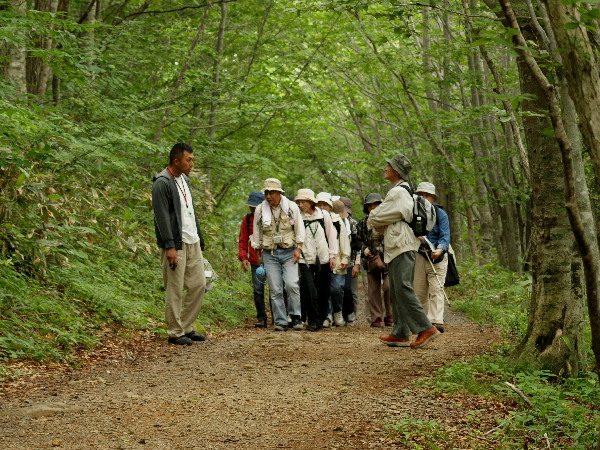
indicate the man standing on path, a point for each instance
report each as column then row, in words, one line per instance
column 180, row 241
column 278, row 230
column 400, row 247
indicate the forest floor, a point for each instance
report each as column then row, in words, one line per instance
column 250, row 388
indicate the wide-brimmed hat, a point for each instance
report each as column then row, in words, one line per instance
column 347, row 203
column 426, row 188
column 272, row 184
column 400, row 164
column 324, row 197
column 255, row 198
column 340, row 208
column 371, row 198
column 305, row 194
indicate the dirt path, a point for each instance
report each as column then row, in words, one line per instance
column 249, row 388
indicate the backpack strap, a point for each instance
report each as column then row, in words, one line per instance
column 321, row 221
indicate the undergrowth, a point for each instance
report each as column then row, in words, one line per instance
column 563, row 413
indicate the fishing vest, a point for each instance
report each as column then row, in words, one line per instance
column 283, row 227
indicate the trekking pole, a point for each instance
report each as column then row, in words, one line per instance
column 438, row 278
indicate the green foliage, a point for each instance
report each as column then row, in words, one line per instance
column 419, row 434
column 494, row 296
column 566, row 411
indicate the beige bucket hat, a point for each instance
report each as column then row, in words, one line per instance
column 272, row 184
column 305, row 194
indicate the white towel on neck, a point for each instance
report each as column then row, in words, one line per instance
column 266, row 210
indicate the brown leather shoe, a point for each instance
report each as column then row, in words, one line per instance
column 424, row 337
column 377, row 324
column 393, row 341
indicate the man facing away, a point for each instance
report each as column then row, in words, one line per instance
column 278, row 233
column 180, row 241
column 400, row 248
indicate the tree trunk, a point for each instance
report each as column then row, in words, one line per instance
column 556, row 317
column 16, row 72
column 181, row 76
column 581, row 71
column 44, row 74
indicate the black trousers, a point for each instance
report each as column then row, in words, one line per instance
column 314, row 292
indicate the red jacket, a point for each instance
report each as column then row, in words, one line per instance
column 244, row 241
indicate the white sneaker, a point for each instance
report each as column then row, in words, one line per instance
column 338, row 319
column 351, row 317
column 327, row 323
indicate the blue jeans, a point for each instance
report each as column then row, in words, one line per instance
column 258, row 283
column 280, row 268
column 337, row 291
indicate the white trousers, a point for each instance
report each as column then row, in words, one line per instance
column 427, row 287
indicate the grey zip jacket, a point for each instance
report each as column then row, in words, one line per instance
column 167, row 212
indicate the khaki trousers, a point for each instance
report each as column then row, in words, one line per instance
column 379, row 295
column 427, row 287
column 189, row 275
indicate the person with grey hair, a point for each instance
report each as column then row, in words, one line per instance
column 431, row 263
column 391, row 218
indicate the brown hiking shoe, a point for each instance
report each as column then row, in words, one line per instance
column 393, row 341
column 425, row 336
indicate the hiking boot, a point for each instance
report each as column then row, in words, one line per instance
column 389, row 321
column 181, row 340
column 376, row 324
column 393, row 341
column 424, row 337
column 260, row 324
column 280, row 328
column 313, row 326
column 338, row 319
column 297, row 324
column 439, row 326
column 195, row 336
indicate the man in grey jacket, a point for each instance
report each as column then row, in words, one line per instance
column 180, row 241
column 400, row 248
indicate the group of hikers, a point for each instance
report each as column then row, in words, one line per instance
column 309, row 251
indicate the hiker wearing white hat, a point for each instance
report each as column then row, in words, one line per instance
column 338, row 277
column 317, row 260
column 279, row 234
column 431, row 262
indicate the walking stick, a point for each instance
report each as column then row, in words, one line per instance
column 438, row 278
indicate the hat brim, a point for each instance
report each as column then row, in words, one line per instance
column 312, row 200
column 272, row 189
column 402, row 174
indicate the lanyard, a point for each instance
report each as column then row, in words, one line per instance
column 181, row 189
column 276, row 220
